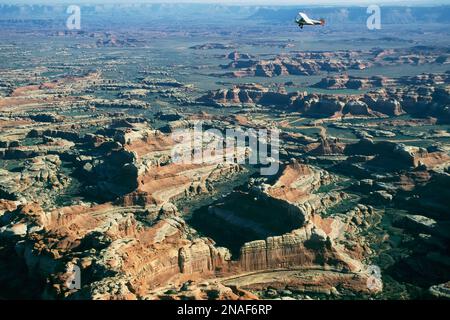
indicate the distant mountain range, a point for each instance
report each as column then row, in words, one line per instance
column 141, row 13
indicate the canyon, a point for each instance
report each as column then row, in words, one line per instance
column 107, row 193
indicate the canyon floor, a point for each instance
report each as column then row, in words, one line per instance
column 93, row 204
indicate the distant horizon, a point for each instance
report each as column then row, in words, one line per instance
column 274, row 3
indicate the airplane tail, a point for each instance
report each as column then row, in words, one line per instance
column 322, row 22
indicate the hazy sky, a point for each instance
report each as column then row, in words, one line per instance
column 253, row 2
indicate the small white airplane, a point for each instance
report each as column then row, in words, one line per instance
column 303, row 20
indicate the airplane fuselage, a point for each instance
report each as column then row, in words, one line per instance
column 302, row 23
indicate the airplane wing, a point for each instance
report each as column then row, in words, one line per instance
column 305, row 18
